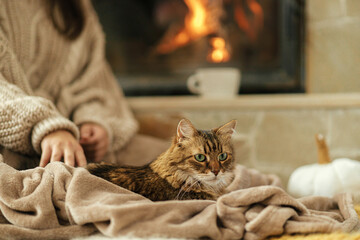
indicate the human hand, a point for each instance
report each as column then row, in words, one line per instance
column 60, row 145
column 94, row 140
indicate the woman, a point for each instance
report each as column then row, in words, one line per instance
column 58, row 97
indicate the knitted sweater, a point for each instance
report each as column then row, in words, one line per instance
column 48, row 82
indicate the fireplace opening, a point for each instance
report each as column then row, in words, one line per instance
column 153, row 46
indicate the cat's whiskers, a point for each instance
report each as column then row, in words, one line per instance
column 184, row 178
column 188, row 182
column 177, row 196
column 189, row 188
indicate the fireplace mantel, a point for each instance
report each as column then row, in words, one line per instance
column 246, row 102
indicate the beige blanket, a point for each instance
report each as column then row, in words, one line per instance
column 59, row 202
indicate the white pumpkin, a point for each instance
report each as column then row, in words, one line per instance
column 325, row 178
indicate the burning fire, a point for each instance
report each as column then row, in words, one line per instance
column 195, row 21
column 200, row 21
column 203, row 19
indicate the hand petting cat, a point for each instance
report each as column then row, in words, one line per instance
column 94, row 140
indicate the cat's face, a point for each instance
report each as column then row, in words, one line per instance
column 207, row 156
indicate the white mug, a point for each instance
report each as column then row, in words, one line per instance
column 215, row 82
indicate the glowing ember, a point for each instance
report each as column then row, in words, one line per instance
column 218, row 53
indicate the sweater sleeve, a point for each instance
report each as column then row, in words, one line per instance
column 95, row 95
column 24, row 119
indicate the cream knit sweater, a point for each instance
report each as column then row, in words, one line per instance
column 49, row 83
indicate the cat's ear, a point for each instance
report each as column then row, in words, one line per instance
column 227, row 129
column 185, row 130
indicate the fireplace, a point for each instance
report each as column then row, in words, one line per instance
column 153, row 46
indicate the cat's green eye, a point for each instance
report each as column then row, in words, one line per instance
column 223, row 156
column 200, row 157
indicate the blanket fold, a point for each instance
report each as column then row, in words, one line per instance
column 61, row 202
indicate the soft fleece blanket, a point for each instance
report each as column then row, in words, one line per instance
column 60, row 202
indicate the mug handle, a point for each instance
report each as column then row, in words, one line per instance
column 193, row 84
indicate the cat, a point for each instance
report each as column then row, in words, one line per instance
column 198, row 165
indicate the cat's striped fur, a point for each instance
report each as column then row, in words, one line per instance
column 177, row 173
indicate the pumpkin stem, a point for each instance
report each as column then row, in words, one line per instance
column 323, row 151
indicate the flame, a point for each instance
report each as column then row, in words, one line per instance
column 198, row 23
column 218, row 53
column 203, row 19
column 196, row 19
column 250, row 25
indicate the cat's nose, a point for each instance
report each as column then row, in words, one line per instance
column 215, row 171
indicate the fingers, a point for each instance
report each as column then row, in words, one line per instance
column 96, row 152
column 88, row 135
column 56, row 155
column 69, row 157
column 92, row 134
column 96, row 146
column 94, row 141
column 86, row 130
column 89, row 141
column 62, row 145
column 45, row 156
column 80, row 158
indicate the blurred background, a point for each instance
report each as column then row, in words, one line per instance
column 298, row 58
column 154, row 45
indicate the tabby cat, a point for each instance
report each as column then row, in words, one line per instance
column 198, row 165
